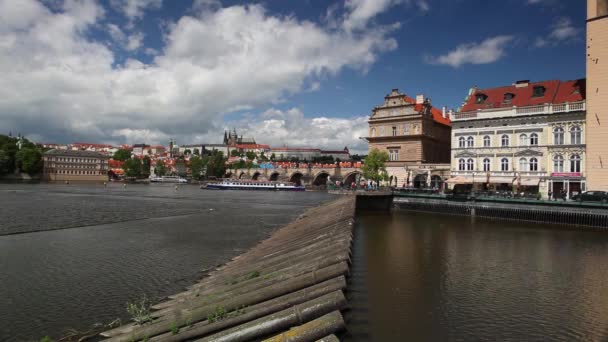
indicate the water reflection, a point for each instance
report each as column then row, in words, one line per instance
column 428, row 277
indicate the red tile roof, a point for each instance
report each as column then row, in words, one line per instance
column 437, row 113
column 555, row 92
column 253, row 146
column 288, row 149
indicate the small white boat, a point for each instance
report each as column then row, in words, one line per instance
column 168, row 179
column 233, row 184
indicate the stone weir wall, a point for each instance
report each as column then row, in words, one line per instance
column 572, row 216
column 287, row 288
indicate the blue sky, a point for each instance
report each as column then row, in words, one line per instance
column 294, row 73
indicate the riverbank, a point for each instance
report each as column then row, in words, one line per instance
column 292, row 280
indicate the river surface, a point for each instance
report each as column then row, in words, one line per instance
column 74, row 255
column 424, row 277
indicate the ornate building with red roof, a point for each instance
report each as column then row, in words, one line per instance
column 416, row 136
column 528, row 137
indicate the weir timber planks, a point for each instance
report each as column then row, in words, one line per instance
column 289, row 284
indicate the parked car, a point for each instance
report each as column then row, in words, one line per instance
column 592, row 196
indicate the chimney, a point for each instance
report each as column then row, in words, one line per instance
column 419, row 99
column 451, row 114
column 522, row 83
column 444, row 112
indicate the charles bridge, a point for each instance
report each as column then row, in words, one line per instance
column 300, row 175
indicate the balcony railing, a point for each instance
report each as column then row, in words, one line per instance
column 491, row 113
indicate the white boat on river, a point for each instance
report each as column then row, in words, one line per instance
column 168, row 179
column 233, row 184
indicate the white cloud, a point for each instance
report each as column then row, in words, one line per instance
column 291, row 128
column 488, row 51
column 134, row 41
column 60, row 85
column 562, row 31
column 130, row 42
column 360, row 12
column 134, row 9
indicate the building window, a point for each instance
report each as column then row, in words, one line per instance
column 558, row 136
column 470, row 165
column 508, row 98
column 558, row 163
column 575, row 163
column 533, row 139
column 461, row 142
column 381, row 131
column 406, row 130
column 394, row 131
column 504, row 140
column 486, row 165
column 523, row 164
column 523, row 140
column 575, row 135
column 486, row 141
column 504, row 164
column 533, row 164
column 538, row 91
column 480, row 98
column 393, row 155
column 373, row 132
column 470, row 142
column 461, row 165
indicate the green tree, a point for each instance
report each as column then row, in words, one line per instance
column 374, row 167
column 273, row 157
column 196, row 166
column 132, row 167
column 145, row 167
column 197, row 152
column 29, row 160
column 250, row 155
column 263, row 156
column 187, row 151
column 235, row 153
column 216, row 164
column 160, row 169
column 122, row 155
column 5, row 162
column 180, row 168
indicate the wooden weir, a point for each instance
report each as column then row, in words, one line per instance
column 287, row 288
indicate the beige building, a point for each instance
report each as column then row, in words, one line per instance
column 528, row 137
column 597, row 94
column 415, row 135
column 67, row 165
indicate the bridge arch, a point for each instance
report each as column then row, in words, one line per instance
column 296, row 178
column 256, row 175
column 352, row 177
column 274, row 176
column 320, row 179
column 420, row 181
column 242, row 175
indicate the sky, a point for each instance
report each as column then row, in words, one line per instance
column 287, row 72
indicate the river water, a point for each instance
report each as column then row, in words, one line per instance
column 120, row 244
column 424, row 277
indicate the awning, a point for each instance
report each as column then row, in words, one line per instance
column 460, row 180
column 527, row 181
column 498, row 180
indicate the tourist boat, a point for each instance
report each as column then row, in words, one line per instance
column 233, row 184
column 167, row 179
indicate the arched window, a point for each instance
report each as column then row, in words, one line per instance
column 461, row 142
column 461, row 164
column 523, row 140
column 575, row 163
column 523, row 164
column 486, row 164
column 394, row 131
column 504, row 140
column 373, row 132
column 406, row 129
column 558, row 136
column 381, row 131
column 533, row 164
column 533, row 139
column 575, row 135
column 486, row 141
column 470, row 165
column 504, row 164
column 558, row 163
column 470, row 142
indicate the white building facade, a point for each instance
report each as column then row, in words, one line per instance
column 536, row 147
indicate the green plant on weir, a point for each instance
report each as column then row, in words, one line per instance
column 46, row 339
column 253, row 275
column 140, row 311
column 217, row 315
column 174, row 328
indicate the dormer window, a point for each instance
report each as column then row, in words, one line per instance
column 480, row 98
column 538, row 91
column 508, row 97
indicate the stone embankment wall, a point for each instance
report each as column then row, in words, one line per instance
column 287, row 288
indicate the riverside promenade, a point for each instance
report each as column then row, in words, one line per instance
column 287, row 288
